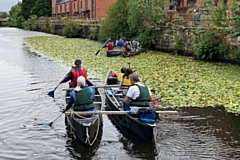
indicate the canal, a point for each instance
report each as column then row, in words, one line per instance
column 26, row 109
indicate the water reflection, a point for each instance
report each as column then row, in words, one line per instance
column 134, row 145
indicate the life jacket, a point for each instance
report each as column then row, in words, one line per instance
column 82, row 100
column 110, row 46
column 76, row 72
column 143, row 99
column 120, row 76
column 126, row 82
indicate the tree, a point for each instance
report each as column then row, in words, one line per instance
column 115, row 24
column 27, row 8
column 15, row 10
column 146, row 13
column 43, row 8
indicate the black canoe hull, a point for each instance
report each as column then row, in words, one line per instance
column 86, row 129
column 144, row 130
column 118, row 52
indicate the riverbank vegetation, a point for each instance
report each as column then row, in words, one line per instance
column 180, row 81
column 212, row 34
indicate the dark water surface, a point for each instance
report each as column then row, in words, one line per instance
column 25, row 111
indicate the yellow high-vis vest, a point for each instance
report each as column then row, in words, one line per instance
column 120, row 75
column 126, row 83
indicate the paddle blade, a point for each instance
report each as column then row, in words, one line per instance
column 97, row 52
column 50, row 124
column 51, row 94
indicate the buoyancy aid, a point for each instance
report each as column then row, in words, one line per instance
column 120, row 76
column 82, row 100
column 143, row 99
column 110, row 46
column 76, row 72
column 126, row 82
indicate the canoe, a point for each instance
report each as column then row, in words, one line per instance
column 86, row 129
column 118, row 52
column 114, row 96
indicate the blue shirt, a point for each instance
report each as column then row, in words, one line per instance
column 120, row 43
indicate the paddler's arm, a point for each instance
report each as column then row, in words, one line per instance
column 70, row 103
column 126, row 99
column 67, row 77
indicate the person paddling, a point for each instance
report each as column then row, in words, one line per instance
column 74, row 73
column 138, row 95
column 81, row 98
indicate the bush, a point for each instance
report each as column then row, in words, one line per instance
column 93, row 33
column 207, row 46
column 147, row 38
column 71, row 29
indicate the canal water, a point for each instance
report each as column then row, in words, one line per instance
column 26, row 110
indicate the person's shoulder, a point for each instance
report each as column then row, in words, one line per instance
column 133, row 87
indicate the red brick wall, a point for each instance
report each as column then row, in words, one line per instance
column 101, row 7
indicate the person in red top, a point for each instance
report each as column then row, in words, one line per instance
column 74, row 73
column 110, row 44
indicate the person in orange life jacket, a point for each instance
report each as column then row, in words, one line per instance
column 110, row 44
column 138, row 95
column 125, row 82
column 81, row 98
column 74, row 73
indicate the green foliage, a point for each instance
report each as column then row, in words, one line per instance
column 71, row 29
column 19, row 22
column 207, row 46
column 147, row 38
column 131, row 18
column 235, row 19
column 15, row 11
column 15, row 18
column 182, row 40
column 219, row 16
column 31, row 24
column 42, row 8
column 27, row 8
column 144, row 13
column 93, row 33
column 115, row 24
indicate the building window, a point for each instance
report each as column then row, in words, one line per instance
column 191, row 2
column 81, row 4
column 61, row 9
column 65, row 7
column 74, row 6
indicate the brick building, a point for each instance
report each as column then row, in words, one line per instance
column 182, row 7
column 86, row 9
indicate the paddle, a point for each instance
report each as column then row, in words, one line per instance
column 118, row 112
column 105, row 86
column 50, row 124
column 100, row 48
column 51, row 93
